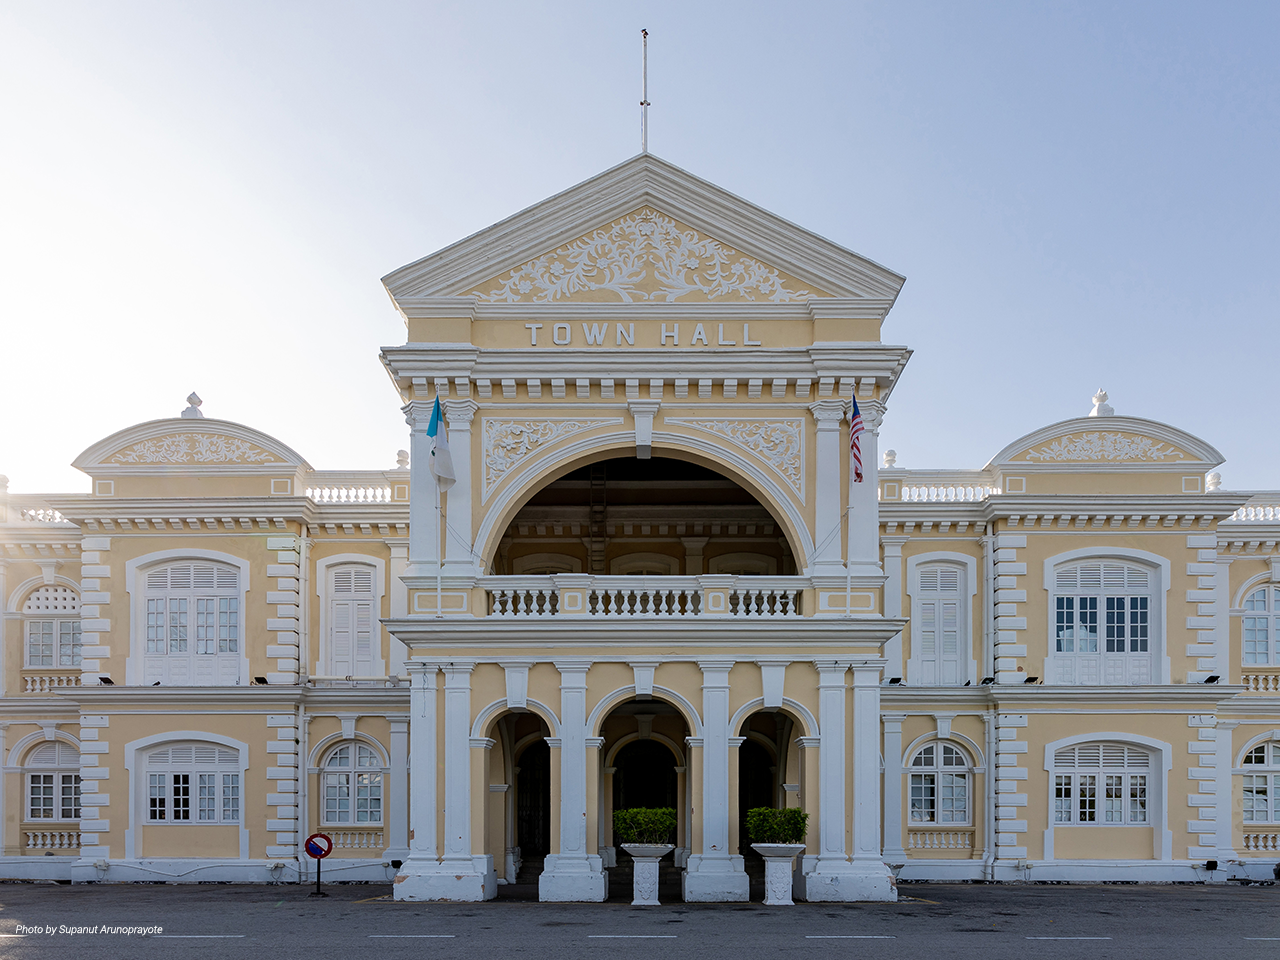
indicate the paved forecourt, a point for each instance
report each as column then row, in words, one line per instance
column 930, row 919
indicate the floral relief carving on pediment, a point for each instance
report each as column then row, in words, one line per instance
column 645, row 256
column 509, row 442
column 778, row 442
column 1104, row 446
column 193, row 448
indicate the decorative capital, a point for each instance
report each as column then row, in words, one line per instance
column 829, row 411
column 417, row 414
column 458, row 412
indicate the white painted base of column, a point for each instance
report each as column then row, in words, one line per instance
column 847, row 882
column 719, row 880
column 573, row 880
column 465, row 881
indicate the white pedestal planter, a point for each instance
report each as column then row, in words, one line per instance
column 778, row 868
column 644, row 885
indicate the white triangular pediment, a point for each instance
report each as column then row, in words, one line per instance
column 165, row 446
column 644, row 232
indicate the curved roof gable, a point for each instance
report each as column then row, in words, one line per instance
column 644, row 231
column 178, row 444
column 1105, row 444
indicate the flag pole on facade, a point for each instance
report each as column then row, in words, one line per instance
column 441, row 465
column 855, row 476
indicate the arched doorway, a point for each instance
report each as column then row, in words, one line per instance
column 768, row 776
column 518, row 820
column 643, row 765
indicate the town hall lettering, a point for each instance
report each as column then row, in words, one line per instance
column 597, row 335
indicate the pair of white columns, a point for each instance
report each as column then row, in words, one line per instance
column 424, row 522
column 864, row 514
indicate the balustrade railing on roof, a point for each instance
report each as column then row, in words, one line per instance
column 935, row 486
column 1263, row 508
column 354, row 486
column 24, row 508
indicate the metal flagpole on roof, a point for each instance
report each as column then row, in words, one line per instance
column 644, row 91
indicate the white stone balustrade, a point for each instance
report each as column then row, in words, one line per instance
column 939, row 839
column 623, row 597
column 356, row 839
column 53, row 839
column 1262, row 841
column 1268, row 682
column 1263, row 508
column 45, row 682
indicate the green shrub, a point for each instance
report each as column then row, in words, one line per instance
column 767, row 825
column 644, row 825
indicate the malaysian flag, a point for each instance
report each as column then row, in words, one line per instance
column 855, row 447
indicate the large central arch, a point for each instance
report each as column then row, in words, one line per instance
column 541, row 471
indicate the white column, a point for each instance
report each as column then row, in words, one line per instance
column 572, row 874
column 399, row 605
column 457, row 763
column 1225, row 783
column 714, row 874
column 458, row 533
column 895, row 665
column 866, row 763
column 831, row 754
column 864, row 497
column 424, row 528
column 828, row 522
column 423, row 739
column 893, row 772
column 398, row 828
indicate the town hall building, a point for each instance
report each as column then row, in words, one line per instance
column 656, row 581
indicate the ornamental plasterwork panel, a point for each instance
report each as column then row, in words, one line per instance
column 779, row 443
column 509, row 443
column 193, row 448
column 645, row 256
column 1104, row 446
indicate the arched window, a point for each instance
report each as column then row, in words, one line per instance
column 53, row 783
column 352, row 620
column 1104, row 623
column 52, row 627
column 1261, row 626
column 192, row 783
column 352, row 776
column 193, row 624
column 1262, row 783
column 940, row 638
column 1101, row 783
column 939, row 787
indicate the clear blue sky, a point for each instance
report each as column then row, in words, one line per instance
column 203, row 196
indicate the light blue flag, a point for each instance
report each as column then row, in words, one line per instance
column 441, row 458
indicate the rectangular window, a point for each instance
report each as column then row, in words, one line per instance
column 1113, row 799
column 68, row 643
column 953, row 798
column 178, row 625
column 228, row 625
column 1138, row 799
column 71, row 796
column 41, row 807
column 156, row 797
column 181, row 797
column 1257, row 645
column 337, row 798
column 155, row 627
column 1116, row 622
column 1062, row 799
column 208, row 796
column 1066, row 624
column 40, row 643
column 1086, row 624
column 368, row 798
column 206, row 625
column 231, row 798
column 1087, row 799
column 1257, row 809
column 1139, row 624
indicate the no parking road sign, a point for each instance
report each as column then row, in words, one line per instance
column 318, row 846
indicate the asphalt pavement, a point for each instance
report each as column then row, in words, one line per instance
column 985, row 921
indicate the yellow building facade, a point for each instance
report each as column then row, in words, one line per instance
column 655, row 581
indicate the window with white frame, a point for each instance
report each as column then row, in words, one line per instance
column 52, row 627
column 1104, row 629
column 1261, row 626
column 352, row 620
column 939, row 787
column 1262, row 784
column 53, row 782
column 352, row 776
column 1101, row 783
column 939, row 625
column 192, row 623
column 192, row 783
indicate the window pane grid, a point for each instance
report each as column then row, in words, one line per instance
column 41, row 806
column 40, row 643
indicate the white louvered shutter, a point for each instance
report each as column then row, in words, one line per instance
column 939, row 626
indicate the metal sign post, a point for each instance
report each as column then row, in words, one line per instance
column 318, row 846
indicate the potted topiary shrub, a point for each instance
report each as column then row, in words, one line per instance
column 645, row 833
column 777, row 835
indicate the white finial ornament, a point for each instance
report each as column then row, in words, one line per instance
column 1100, row 406
column 644, row 91
column 193, row 412
column 1213, row 482
column 402, row 459
column 890, row 459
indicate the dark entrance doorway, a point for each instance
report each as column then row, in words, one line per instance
column 533, row 799
column 645, row 776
